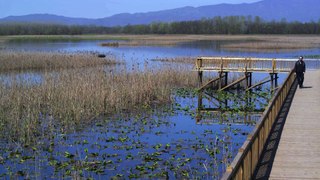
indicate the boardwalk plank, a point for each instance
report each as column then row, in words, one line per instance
column 298, row 154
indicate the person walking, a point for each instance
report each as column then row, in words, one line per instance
column 300, row 69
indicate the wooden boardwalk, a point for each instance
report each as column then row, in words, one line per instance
column 298, row 154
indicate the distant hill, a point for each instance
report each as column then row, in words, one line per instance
column 291, row 10
column 48, row 18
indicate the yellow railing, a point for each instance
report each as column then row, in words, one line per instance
column 225, row 64
column 246, row 160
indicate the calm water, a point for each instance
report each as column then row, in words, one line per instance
column 156, row 144
column 140, row 54
column 137, row 56
column 168, row 142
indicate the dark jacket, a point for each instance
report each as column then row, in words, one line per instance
column 300, row 67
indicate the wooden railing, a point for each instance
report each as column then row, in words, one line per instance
column 233, row 64
column 246, row 160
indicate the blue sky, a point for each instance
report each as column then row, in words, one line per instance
column 98, row 8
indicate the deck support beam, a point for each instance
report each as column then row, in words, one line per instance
column 208, row 84
column 234, row 83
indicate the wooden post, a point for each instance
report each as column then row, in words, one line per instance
column 225, row 84
column 200, row 72
column 200, row 107
column 273, row 65
column 198, row 116
column 221, row 65
column 199, row 63
column 247, row 77
column 220, row 80
column 276, row 79
column 250, row 82
column 220, row 74
column 272, row 82
column 200, row 80
column 200, row 100
column 226, row 78
column 200, row 75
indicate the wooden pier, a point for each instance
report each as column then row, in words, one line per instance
column 234, row 64
column 298, row 154
column 247, row 66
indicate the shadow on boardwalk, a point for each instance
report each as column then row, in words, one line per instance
column 264, row 166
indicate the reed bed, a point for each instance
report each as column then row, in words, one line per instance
column 256, row 43
column 44, row 61
column 266, row 46
column 71, row 97
column 110, row 44
column 184, row 60
column 274, row 43
column 251, row 43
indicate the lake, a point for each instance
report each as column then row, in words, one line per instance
column 140, row 54
column 162, row 142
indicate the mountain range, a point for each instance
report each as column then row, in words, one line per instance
column 290, row 10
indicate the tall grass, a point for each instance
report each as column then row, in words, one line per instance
column 274, row 43
column 68, row 97
column 256, row 43
column 44, row 61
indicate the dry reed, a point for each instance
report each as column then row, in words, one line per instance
column 238, row 42
column 22, row 61
column 184, row 60
column 69, row 97
column 110, row 44
column 254, row 43
column 274, row 43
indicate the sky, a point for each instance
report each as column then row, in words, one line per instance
column 98, row 8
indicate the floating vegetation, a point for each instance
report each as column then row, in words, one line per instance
column 141, row 155
column 110, row 44
column 166, row 143
column 100, row 122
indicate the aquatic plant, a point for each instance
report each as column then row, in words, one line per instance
column 49, row 61
column 66, row 98
column 110, row 44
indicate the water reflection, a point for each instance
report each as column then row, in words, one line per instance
column 227, row 110
column 148, row 146
column 238, row 103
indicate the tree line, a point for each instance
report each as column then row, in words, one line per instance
column 217, row 25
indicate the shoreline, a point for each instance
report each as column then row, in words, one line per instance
column 255, row 43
